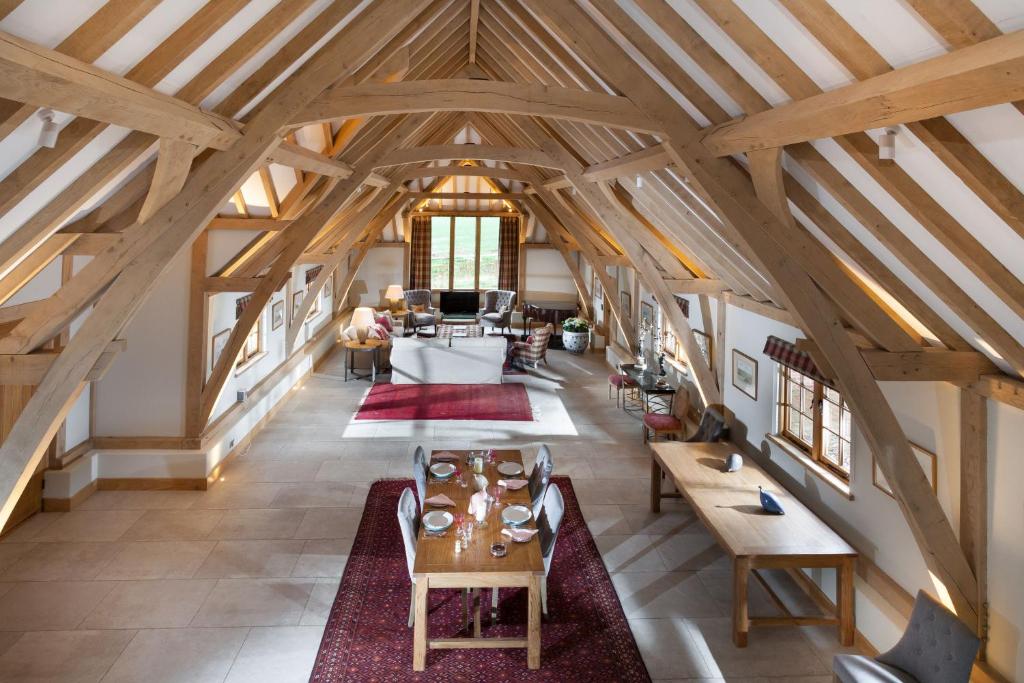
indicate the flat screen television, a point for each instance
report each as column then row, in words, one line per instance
column 460, row 303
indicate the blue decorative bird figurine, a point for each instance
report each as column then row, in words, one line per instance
column 770, row 503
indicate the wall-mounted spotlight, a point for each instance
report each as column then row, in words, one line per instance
column 48, row 133
column 887, row 145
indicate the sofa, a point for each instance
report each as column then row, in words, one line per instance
column 461, row 360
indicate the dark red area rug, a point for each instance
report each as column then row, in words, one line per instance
column 506, row 402
column 585, row 637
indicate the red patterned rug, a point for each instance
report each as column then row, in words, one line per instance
column 506, row 402
column 585, row 638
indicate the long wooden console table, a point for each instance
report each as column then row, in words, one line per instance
column 728, row 505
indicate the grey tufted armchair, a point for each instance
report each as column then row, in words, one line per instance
column 497, row 310
column 421, row 297
column 936, row 648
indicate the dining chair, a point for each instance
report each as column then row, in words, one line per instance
column 420, row 469
column 668, row 424
column 539, row 478
column 409, row 522
column 623, row 384
column 548, row 523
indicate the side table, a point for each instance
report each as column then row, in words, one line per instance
column 371, row 346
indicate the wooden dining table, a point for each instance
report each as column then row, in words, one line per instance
column 439, row 566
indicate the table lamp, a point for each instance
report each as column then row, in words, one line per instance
column 394, row 294
column 362, row 318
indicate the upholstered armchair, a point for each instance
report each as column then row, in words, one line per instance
column 936, row 648
column 426, row 317
column 497, row 310
column 534, row 349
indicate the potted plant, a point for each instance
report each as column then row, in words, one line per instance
column 575, row 334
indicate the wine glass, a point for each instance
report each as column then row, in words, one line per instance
column 496, row 492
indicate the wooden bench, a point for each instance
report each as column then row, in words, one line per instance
column 728, row 505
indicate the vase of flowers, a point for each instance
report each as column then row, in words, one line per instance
column 575, row 335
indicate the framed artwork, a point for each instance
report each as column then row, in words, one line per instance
column 626, row 303
column 684, row 305
column 217, row 344
column 704, row 344
column 595, row 285
column 646, row 314
column 296, row 303
column 277, row 315
column 929, row 464
column 744, row 373
column 329, row 287
column 670, row 344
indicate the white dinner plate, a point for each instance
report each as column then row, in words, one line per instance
column 515, row 515
column 510, row 469
column 437, row 520
column 442, row 470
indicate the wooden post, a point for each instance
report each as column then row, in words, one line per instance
column 974, row 498
column 195, row 364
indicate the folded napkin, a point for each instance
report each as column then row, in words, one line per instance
column 445, row 456
column 519, row 535
column 439, row 500
column 478, row 505
column 513, row 484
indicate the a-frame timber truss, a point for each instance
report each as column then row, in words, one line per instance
column 570, row 123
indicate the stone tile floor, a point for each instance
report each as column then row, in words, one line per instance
column 234, row 583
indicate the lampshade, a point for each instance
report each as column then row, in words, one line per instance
column 394, row 292
column 362, row 317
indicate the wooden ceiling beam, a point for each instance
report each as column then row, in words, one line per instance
column 466, row 195
column 453, row 152
column 991, row 72
column 474, row 23
column 727, row 191
column 375, row 99
column 144, row 254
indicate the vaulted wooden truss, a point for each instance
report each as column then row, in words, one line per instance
column 576, row 130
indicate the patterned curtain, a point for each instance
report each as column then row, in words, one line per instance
column 419, row 267
column 508, row 253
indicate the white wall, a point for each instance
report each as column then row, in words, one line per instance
column 547, row 276
column 872, row 521
column 381, row 267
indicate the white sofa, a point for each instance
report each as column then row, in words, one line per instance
column 459, row 360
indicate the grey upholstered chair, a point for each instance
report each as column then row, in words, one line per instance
column 936, row 648
column 549, row 521
column 421, row 297
column 409, row 522
column 420, row 467
column 537, row 484
column 497, row 310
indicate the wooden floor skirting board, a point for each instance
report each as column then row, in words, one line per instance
column 215, row 431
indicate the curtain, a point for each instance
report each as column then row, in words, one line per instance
column 419, row 265
column 508, row 253
column 787, row 354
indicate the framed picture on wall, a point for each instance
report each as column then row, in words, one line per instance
column 646, row 314
column 626, row 303
column 670, row 344
column 704, row 344
column 744, row 373
column 217, row 344
column 296, row 303
column 929, row 464
column 277, row 315
column 329, row 287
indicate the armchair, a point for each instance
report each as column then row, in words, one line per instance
column 497, row 310
column 534, row 349
column 426, row 317
column 937, row 647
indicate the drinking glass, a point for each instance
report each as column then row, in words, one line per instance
column 496, row 492
column 467, row 530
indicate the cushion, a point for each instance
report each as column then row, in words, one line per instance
column 376, row 331
column 529, row 340
column 385, row 322
column 418, row 308
column 620, row 380
column 662, row 421
column 423, row 318
column 859, row 669
column 491, row 317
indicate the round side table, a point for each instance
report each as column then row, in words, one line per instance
column 371, row 346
